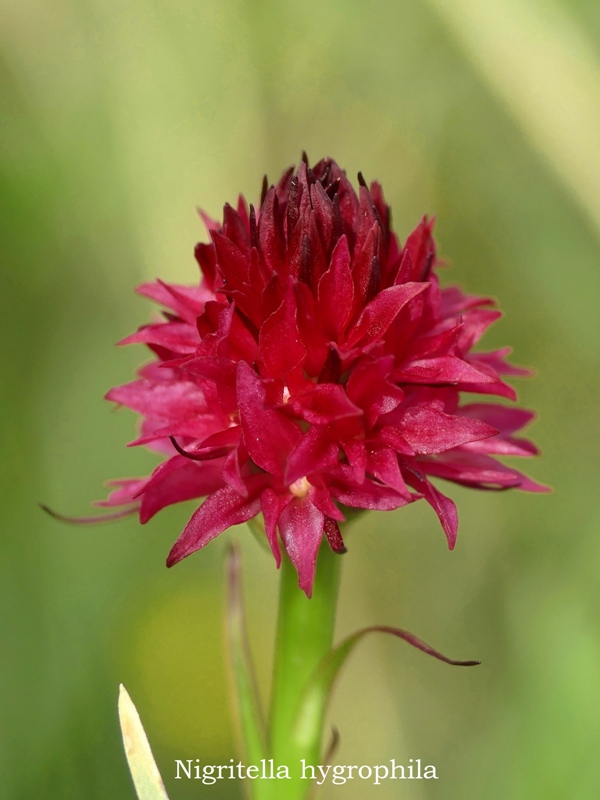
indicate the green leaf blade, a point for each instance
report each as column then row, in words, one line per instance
column 250, row 716
column 144, row 772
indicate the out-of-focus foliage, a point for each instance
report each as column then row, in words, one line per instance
column 117, row 119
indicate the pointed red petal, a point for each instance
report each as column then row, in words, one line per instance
column 428, row 430
column 381, row 312
column 301, row 526
column 280, row 343
column 445, row 369
column 166, row 401
column 316, row 451
column 176, row 480
column 268, row 434
column 324, row 403
column 219, row 511
column 272, row 504
column 336, row 291
column 443, row 506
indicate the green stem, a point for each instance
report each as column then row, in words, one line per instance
column 304, row 637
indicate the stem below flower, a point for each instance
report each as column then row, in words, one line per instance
column 304, row 637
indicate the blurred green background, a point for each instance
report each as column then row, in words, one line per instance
column 117, row 119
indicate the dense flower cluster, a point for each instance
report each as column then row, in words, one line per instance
column 318, row 365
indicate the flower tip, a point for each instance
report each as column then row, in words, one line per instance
column 209, row 223
column 333, row 535
column 48, row 510
column 543, row 489
column 172, row 560
column 112, row 397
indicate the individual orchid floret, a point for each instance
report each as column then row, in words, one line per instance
column 317, row 366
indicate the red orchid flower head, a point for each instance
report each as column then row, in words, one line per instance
column 317, row 365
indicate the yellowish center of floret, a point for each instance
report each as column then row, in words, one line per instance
column 300, row 487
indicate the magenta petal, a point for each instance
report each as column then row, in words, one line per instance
column 428, row 430
column 369, row 388
column 421, row 248
column 445, row 369
column 272, row 504
column 301, row 527
column 366, row 271
column 179, row 337
column 475, row 323
column 503, row 446
column 454, row 301
column 126, row 491
column 186, row 301
column 315, row 452
column 493, row 387
column 392, row 436
column 442, row 505
column 356, row 453
column 231, row 262
column 496, row 360
column 336, row 291
column 505, row 418
column 324, row 403
column 528, row 485
column 176, row 480
column 219, row 511
column 321, row 498
column 367, row 495
column 479, row 470
column 198, row 428
column 220, row 370
column 232, row 471
column 382, row 464
column 166, row 401
column 382, row 310
column 269, row 234
column 281, row 346
column 235, row 229
column 268, row 434
column 471, row 469
column 209, row 223
column 436, row 346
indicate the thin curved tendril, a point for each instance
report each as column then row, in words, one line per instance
column 218, row 452
column 97, row 519
column 413, row 640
